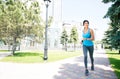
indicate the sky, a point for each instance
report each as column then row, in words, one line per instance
column 92, row 10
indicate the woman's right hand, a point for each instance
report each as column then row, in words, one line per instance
column 81, row 42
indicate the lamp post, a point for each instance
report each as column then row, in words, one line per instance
column 46, row 28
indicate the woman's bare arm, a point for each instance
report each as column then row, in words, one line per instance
column 92, row 35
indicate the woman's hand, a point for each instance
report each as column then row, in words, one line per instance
column 81, row 42
column 84, row 38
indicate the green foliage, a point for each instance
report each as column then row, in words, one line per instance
column 112, row 35
column 74, row 35
column 64, row 37
column 114, row 11
column 107, row 1
column 18, row 20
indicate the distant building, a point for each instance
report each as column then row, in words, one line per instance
column 54, row 31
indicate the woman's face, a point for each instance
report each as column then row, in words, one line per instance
column 86, row 24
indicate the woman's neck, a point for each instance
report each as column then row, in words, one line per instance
column 86, row 27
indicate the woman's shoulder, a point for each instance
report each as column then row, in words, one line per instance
column 91, row 30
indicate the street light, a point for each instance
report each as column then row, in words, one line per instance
column 46, row 28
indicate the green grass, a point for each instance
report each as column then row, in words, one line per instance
column 37, row 57
column 114, row 58
column 59, row 55
column 4, row 51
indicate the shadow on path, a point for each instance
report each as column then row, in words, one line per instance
column 76, row 70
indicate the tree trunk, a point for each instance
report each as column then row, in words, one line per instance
column 74, row 47
column 8, row 42
column 19, row 47
column 119, row 51
column 14, row 46
column 8, row 47
column 65, row 46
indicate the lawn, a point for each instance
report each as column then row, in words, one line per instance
column 37, row 57
column 114, row 58
column 4, row 51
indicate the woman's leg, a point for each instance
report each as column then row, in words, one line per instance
column 85, row 55
column 85, row 59
column 91, row 50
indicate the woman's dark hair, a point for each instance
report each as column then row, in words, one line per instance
column 85, row 21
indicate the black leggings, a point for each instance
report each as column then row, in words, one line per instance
column 91, row 50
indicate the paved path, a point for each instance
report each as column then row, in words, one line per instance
column 72, row 68
column 4, row 54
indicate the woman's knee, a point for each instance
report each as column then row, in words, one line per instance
column 85, row 57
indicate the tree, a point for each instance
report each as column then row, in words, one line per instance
column 113, row 33
column 64, row 39
column 19, row 20
column 108, row 37
column 74, row 36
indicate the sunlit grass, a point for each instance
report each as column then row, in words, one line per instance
column 114, row 58
column 59, row 55
column 4, row 50
column 37, row 57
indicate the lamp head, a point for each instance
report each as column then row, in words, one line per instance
column 47, row 0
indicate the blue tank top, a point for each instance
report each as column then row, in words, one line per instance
column 87, row 35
